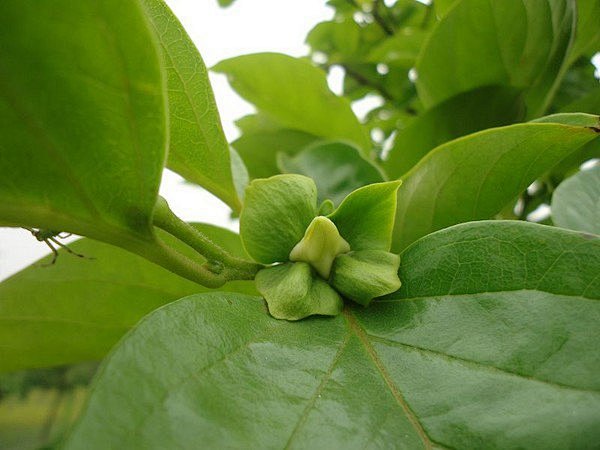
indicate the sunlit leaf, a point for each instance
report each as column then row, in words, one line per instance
column 475, row 176
column 198, row 149
column 295, row 94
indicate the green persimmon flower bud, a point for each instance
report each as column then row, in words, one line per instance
column 316, row 259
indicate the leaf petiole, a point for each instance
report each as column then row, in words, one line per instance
column 220, row 264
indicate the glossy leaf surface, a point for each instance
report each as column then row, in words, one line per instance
column 487, row 107
column 475, row 176
column 509, row 42
column 77, row 309
column 82, row 117
column 295, row 94
column 198, row 149
column 494, row 331
column 337, row 169
column 576, row 202
column 276, row 213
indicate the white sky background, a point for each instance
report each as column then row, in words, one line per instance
column 248, row 26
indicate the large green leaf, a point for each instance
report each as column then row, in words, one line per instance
column 295, row 94
column 576, row 202
column 491, row 343
column 337, row 169
column 77, row 309
column 510, row 42
column 82, row 117
column 475, row 176
column 198, row 149
column 482, row 108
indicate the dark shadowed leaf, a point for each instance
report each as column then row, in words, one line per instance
column 337, row 169
column 259, row 150
column 77, row 309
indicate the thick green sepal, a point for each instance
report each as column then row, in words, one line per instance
column 366, row 217
column 320, row 245
column 293, row 292
column 362, row 276
column 275, row 215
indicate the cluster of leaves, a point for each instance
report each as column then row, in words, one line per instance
column 491, row 340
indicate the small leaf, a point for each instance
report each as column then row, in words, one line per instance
column 275, row 215
column 366, row 217
column 494, row 331
column 295, row 94
column 320, row 245
column 198, row 150
column 509, row 42
column 82, row 118
column 293, row 292
column 576, row 202
column 337, row 169
column 471, row 111
column 361, row 276
column 259, row 149
column 402, row 48
column 76, row 309
column 475, row 176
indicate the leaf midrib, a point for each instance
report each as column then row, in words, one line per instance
column 470, row 294
column 363, row 337
column 479, row 364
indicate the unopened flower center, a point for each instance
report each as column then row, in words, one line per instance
column 320, row 245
